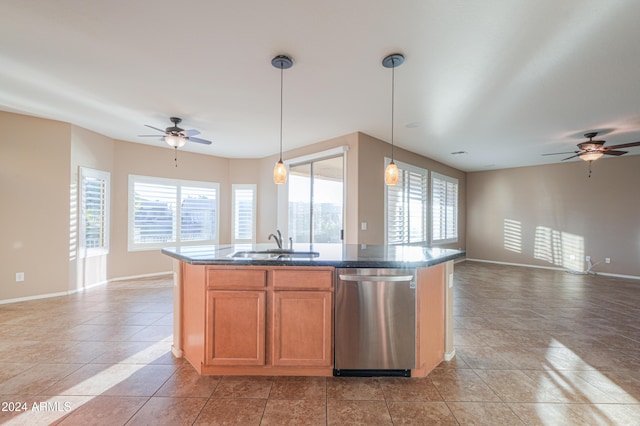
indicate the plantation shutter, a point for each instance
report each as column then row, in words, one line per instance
column 94, row 211
column 244, row 219
column 444, row 202
column 165, row 212
column 406, row 216
column 154, row 212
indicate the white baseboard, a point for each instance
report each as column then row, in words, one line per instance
column 526, row 265
column 137, row 277
column 36, row 297
column 98, row 284
column 176, row 352
column 607, row 274
column 448, row 356
column 77, row 290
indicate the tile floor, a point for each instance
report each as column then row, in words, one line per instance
column 535, row 347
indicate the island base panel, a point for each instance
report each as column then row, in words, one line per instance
column 265, row 371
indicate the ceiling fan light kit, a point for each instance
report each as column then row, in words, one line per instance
column 175, row 141
column 281, row 62
column 591, row 156
column 392, row 61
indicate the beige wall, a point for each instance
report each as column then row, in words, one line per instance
column 39, row 171
column 554, row 215
column 371, row 165
column 35, row 196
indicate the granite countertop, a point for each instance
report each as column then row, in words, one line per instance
column 337, row 255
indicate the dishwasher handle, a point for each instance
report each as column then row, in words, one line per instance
column 377, row 278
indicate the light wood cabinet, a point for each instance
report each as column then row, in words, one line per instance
column 264, row 321
column 302, row 328
column 235, row 327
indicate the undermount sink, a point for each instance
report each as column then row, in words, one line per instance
column 273, row 254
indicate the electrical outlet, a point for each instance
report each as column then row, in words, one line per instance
column 607, row 260
column 19, row 276
column 588, row 258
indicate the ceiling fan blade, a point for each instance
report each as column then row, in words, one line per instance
column 155, row 128
column 623, row 145
column 198, row 140
column 573, row 156
column 558, row 153
column 150, row 136
column 191, row 132
column 614, row 152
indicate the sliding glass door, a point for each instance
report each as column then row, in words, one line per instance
column 316, row 201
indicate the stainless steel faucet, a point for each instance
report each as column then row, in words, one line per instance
column 278, row 238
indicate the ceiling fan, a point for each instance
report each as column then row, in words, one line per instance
column 592, row 150
column 175, row 136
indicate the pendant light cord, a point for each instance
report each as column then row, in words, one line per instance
column 393, row 84
column 281, row 84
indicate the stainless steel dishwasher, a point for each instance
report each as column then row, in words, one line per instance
column 375, row 322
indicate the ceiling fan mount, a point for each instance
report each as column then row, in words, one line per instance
column 174, row 129
column 589, row 135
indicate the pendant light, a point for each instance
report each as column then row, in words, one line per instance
column 392, row 61
column 280, row 170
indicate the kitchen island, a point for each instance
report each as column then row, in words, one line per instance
column 255, row 310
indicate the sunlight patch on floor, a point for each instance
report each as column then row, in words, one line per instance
column 565, row 377
column 100, row 383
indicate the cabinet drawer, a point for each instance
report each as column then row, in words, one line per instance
column 302, row 279
column 236, row 278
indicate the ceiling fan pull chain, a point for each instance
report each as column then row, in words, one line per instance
column 175, row 157
column 589, row 169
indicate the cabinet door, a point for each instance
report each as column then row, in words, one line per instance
column 235, row 328
column 302, row 325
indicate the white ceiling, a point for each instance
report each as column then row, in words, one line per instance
column 503, row 80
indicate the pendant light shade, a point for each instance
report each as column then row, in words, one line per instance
column 280, row 173
column 280, row 170
column 392, row 61
column 391, row 174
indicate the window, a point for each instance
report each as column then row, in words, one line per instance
column 406, row 206
column 94, row 212
column 244, row 213
column 316, row 200
column 444, row 205
column 171, row 212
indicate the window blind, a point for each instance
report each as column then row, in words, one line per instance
column 444, row 202
column 165, row 212
column 406, row 212
column 94, row 211
column 244, row 217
